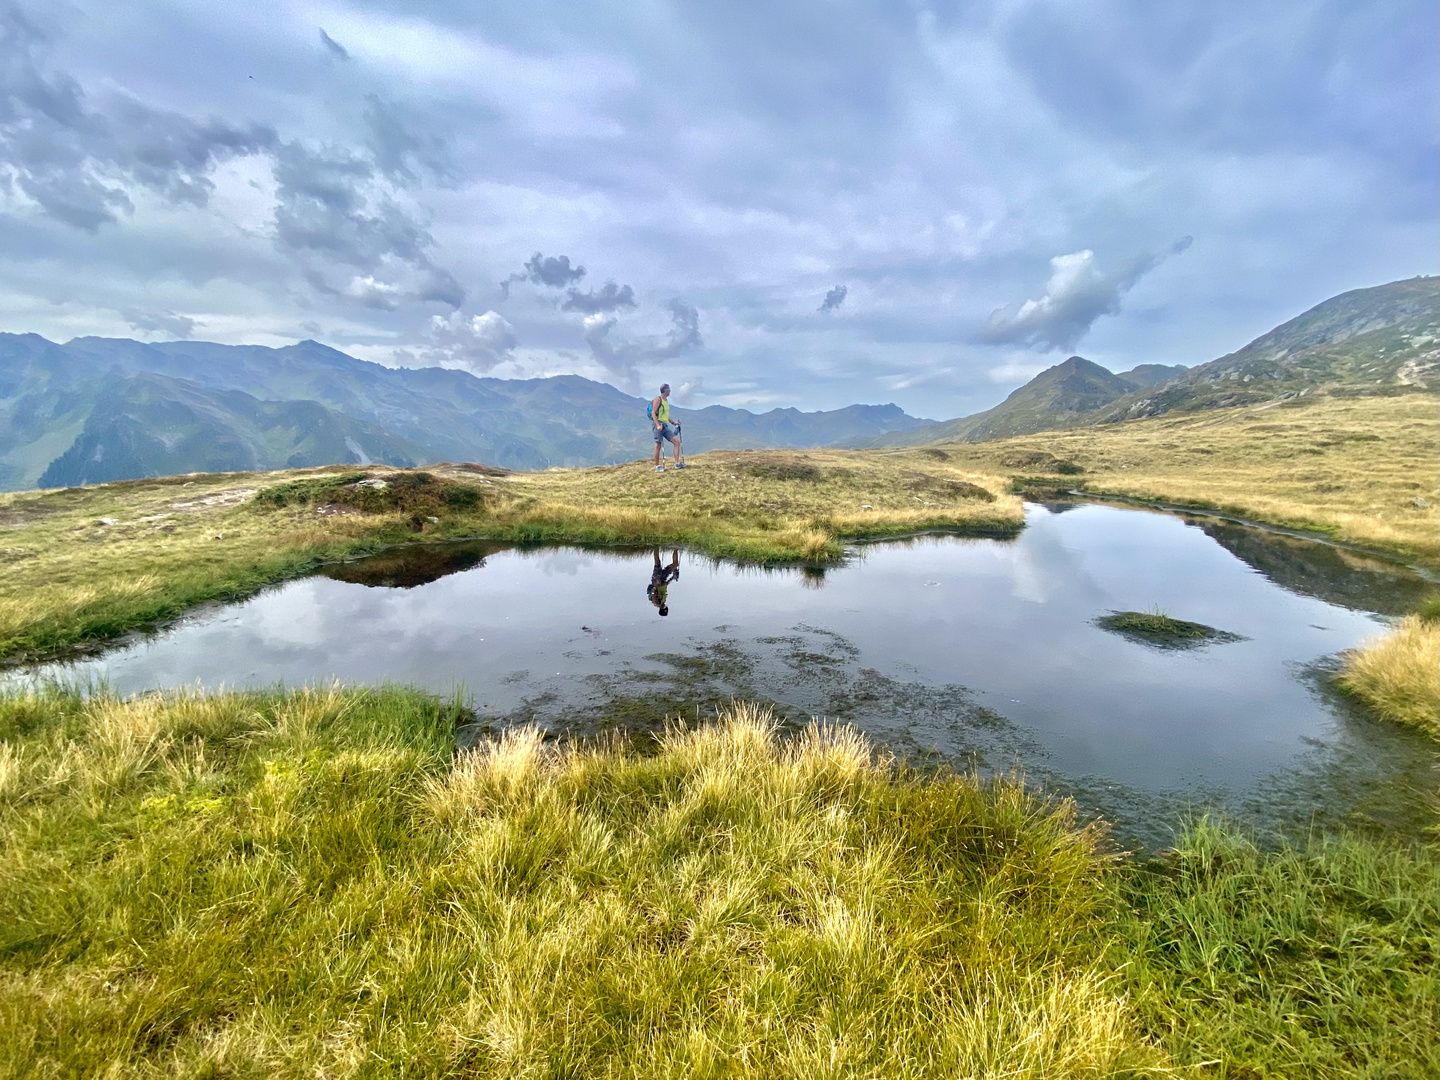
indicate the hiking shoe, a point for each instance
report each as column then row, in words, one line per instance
column 681, row 465
column 659, row 468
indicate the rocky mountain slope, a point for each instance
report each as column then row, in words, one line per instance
column 1381, row 340
column 102, row 409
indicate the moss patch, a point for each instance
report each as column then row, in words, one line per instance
column 1161, row 631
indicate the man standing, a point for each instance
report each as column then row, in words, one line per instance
column 664, row 429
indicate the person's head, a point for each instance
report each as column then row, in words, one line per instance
column 665, row 389
column 664, row 609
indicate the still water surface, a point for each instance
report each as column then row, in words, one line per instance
column 983, row 652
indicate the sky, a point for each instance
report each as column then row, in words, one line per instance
column 763, row 202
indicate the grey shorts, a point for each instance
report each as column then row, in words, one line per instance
column 667, row 431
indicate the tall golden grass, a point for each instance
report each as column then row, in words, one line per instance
column 313, row 883
column 1398, row 674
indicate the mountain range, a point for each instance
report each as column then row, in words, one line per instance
column 98, row 409
column 1380, row 340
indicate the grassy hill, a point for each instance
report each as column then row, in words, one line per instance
column 1383, row 340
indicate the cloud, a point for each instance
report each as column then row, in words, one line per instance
column 608, row 297
column 159, row 322
column 833, row 299
column 1077, row 294
column 79, row 161
column 624, row 357
column 401, row 144
column 686, row 391
column 553, row 271
column 476, row 344
column 75, row 161
column 333, row 47
column 330, row 206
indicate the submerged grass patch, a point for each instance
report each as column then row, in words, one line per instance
column 313, row 883
column 1161, row 631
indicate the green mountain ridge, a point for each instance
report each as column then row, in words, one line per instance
column 1380, row 340
column 103, row 409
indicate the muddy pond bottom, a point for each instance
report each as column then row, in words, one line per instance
column 983, row 653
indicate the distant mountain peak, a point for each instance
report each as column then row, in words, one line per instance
column 1381, row 339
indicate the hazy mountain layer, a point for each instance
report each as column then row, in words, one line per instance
column 1370, row 341
column 101, row 409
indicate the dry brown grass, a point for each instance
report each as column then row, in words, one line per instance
column 1398, row 675
column 86, row 564
column 1350, row 467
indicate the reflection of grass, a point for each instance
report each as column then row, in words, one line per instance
column 1159, row 629
column 84, row 564
column 307, row 883
column 1398, row 675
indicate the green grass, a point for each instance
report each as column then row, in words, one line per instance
column 1316, row 961
column 82, row 565
column 1163, row 632
column 312, row 883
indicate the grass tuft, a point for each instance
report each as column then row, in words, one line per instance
column 1157, row 629
column 1398, row 675
column 313, row 883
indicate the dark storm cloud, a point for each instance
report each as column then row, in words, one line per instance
column 624, row 357
column 1077, row 294
column 76, row 160
column 333, row 47
column 609, row 297
column 833, row 299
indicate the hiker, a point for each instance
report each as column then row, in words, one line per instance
column 664, row 429
column 660, row 579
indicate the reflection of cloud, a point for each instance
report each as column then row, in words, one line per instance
column 1042, row 566
column 1076, row 295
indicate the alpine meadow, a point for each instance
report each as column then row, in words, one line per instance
column 832, row 542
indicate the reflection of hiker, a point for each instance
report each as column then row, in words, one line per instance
column 660, row 579
column 664, row 429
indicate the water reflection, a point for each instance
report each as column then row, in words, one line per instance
column 658, row 591
column 983, row 652
column 410, row 567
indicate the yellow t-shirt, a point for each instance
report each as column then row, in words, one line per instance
column 662, row 411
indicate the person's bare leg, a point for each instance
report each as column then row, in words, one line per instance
column 676, row 444
column 657, row 451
